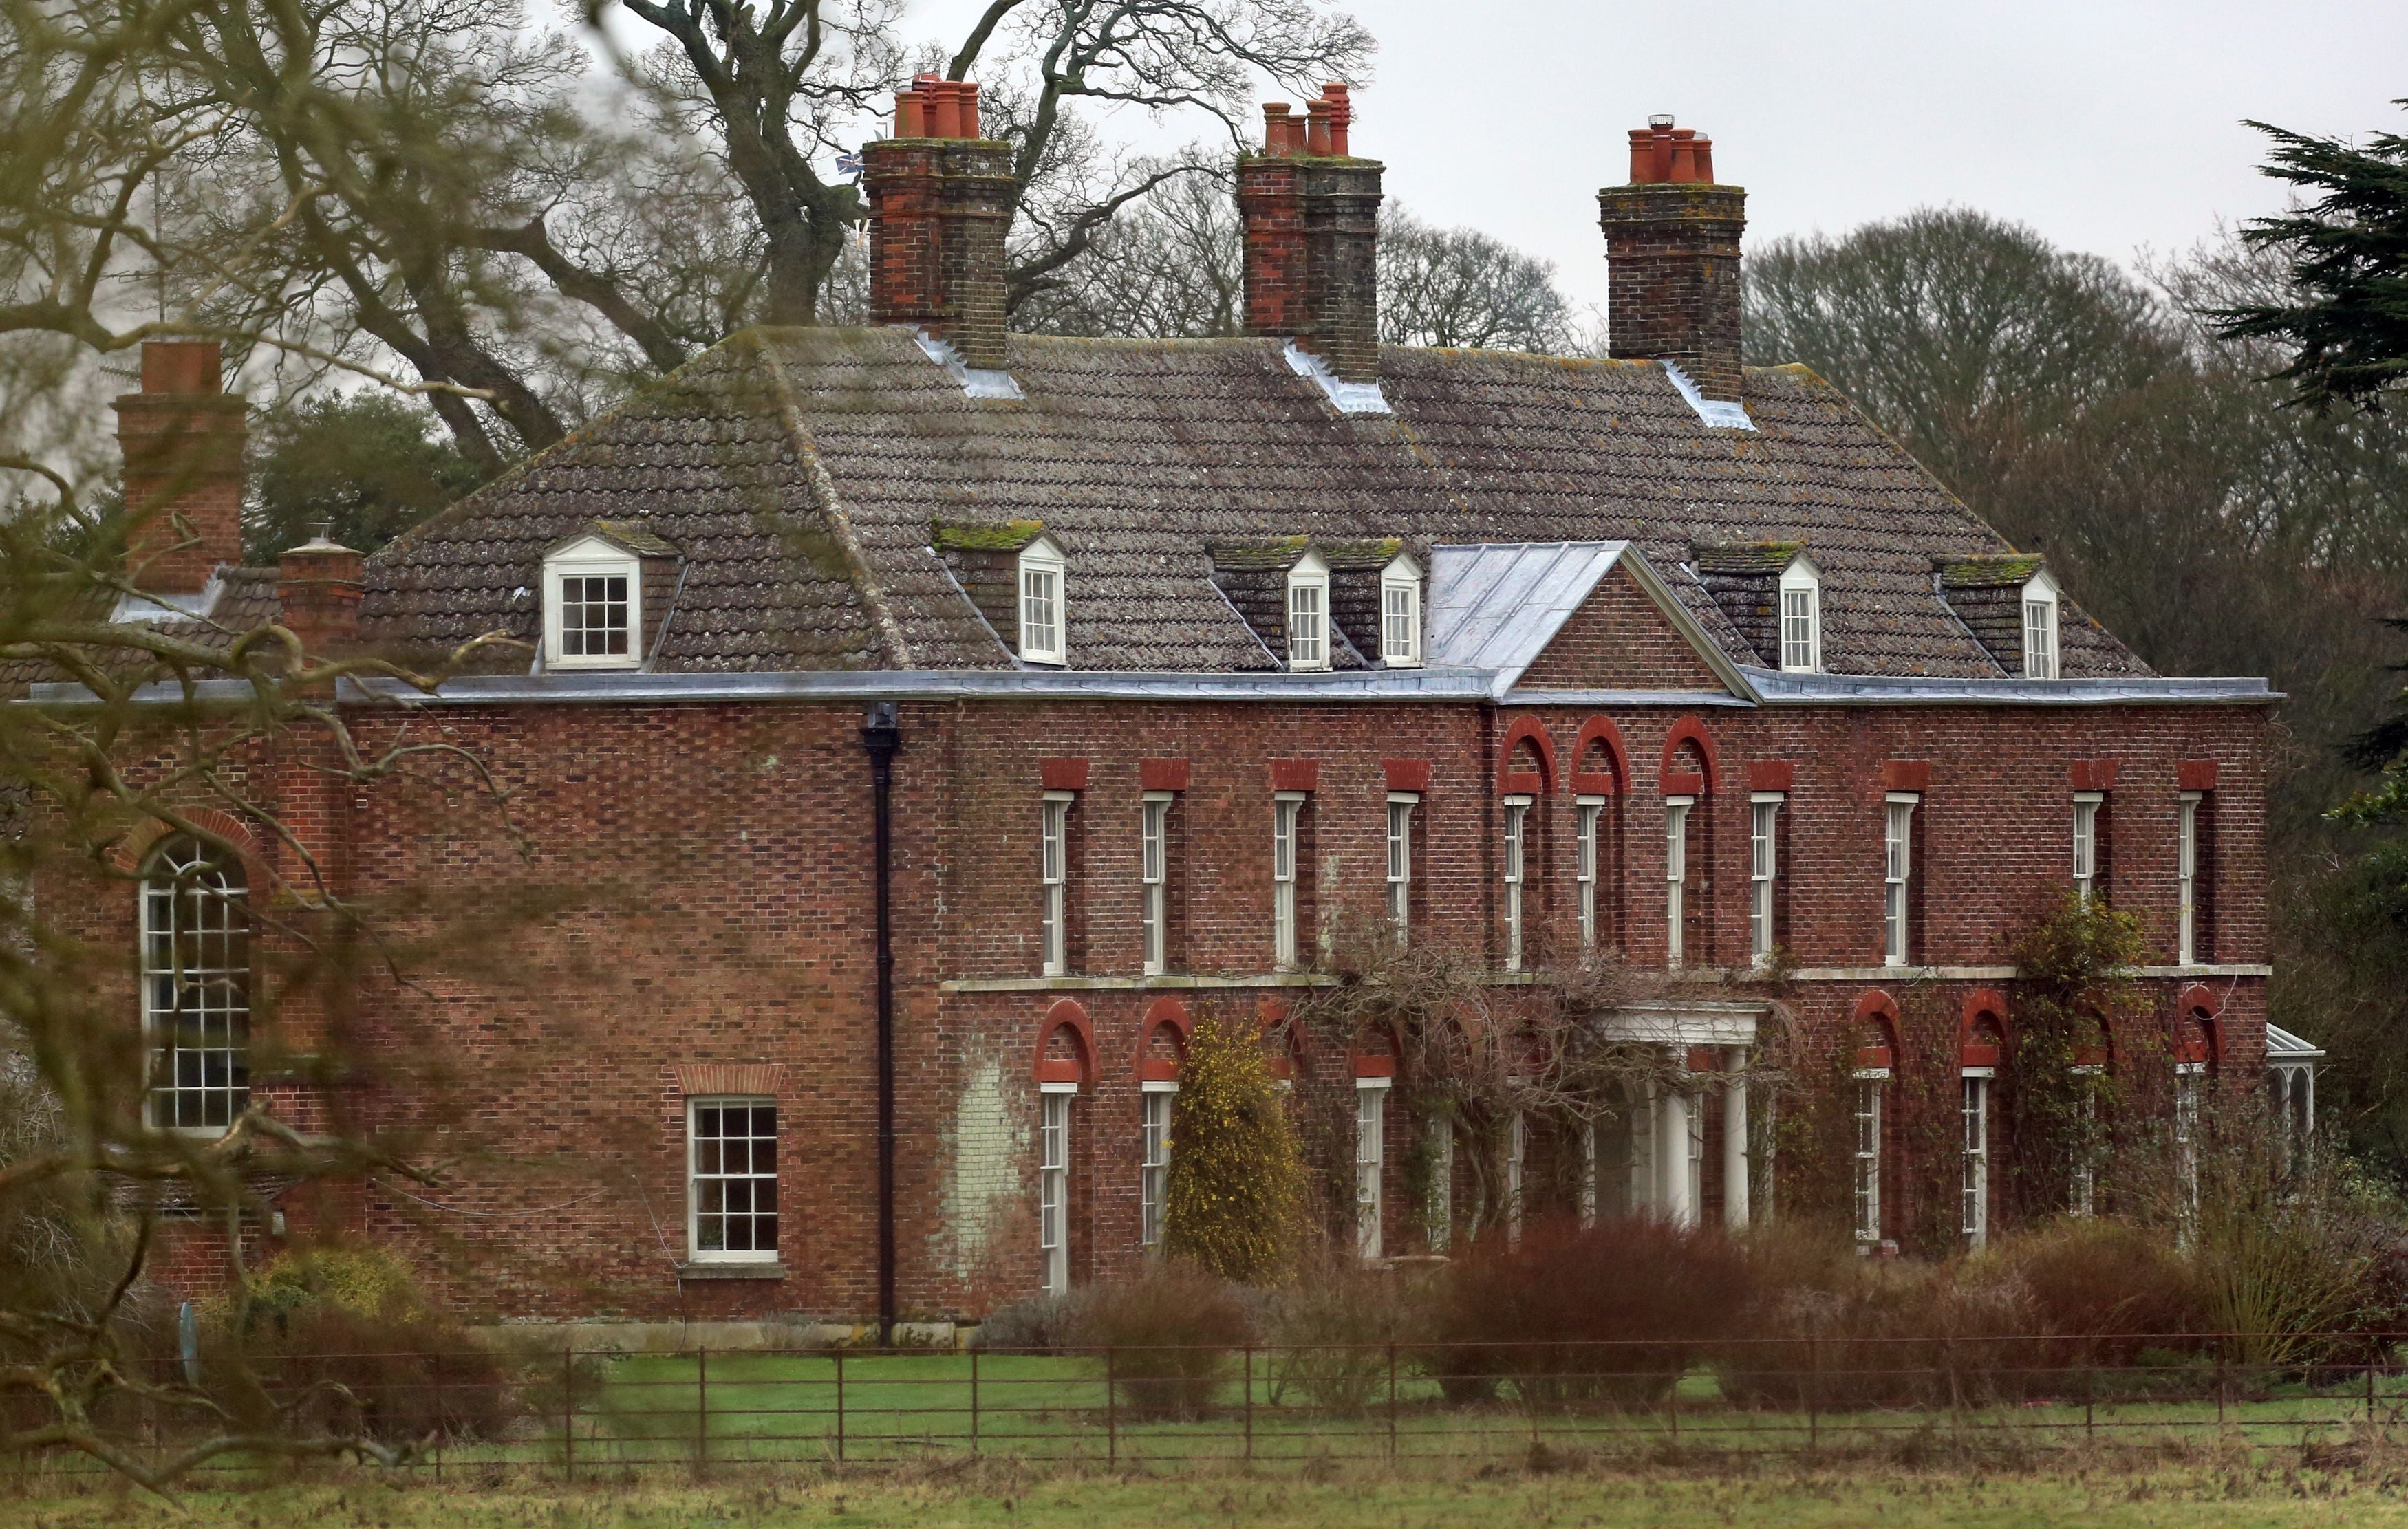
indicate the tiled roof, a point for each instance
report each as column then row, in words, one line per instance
column 803, row 475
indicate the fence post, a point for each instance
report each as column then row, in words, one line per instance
column 1392, row 1401
column 1112, row 1412
column 1814, row 1395
column 2090, row 1401
column 568, row 1408
column 839, row 1406
column 441, row 1432
column 701, row 1408
column 974, row 1402
column 1672, row 1407
column 2370, row 1389
column 1250, row 1402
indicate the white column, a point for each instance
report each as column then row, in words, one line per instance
column 1680, row 1193
column 1735, row 1179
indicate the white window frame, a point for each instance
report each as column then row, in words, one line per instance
column 591, row 557
column 1400, row 614
column 1041, row 597
column 1974, row 1191
column 750, row 1177
column 1676, row 879
column 2082, row 1190
column 1898, row 866
column 1437, row 1208
column 1287, row 817
column 1401, row 807
column 1054, row 873
column 2041, row 627
column 2189, row 1077
column 1153, row 879
column 1588, row 1173
column 1588, row 816
column 1801, row 617
column 1872, row 1089
column 2086, row 842
column 2291, row 1089
column 1516, row 864
column 1517, row 1151
column 1763, row 866
column 1370, row 1160
column 1307, row 614
column 197, row 973
column 1054, row 1102
column 2186, row 879
column 1155, row 1101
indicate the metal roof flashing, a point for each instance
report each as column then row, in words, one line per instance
column 976, row 382
column 1347, row 397
column 1715, row 415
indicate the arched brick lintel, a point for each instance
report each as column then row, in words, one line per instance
column 1067, row 1014
column 1162, row 1014
column 1525, row 727
column 1600, row 732
column 1975, row 1045
column 128, row 853
column 1688, row 728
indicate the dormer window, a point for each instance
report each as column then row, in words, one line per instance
column 2039, row 627
column 1801, row 618
column 1308, row 613
column 594, row 595
column 1043, row 604
column 1400, row 614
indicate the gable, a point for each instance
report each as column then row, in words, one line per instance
column 1618, row 639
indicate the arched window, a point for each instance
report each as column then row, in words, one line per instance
column 195, row 987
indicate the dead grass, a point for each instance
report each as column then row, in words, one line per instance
column 2361, row 1481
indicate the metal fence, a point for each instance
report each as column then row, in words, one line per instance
column 573, row 1413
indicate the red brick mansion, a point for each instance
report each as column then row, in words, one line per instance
column 945, row 719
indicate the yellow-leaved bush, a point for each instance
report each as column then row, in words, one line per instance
column 1236, row 1176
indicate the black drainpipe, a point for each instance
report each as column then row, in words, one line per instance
column 881, row 736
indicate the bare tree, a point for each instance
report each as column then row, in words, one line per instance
column 1460, row 286
column 789, row 83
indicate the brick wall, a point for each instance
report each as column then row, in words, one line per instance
column 679, row 886
column 1618, row 640
column 1672, row 265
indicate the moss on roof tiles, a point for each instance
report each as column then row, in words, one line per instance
column 1986, row 569
column 961, row 537
column 1147, row 458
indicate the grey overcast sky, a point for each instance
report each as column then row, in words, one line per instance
column 2109, row 125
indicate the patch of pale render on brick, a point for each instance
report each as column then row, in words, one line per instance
column 990, row 1140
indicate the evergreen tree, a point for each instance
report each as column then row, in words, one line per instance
column 1235, row 1198
column 362, row 463
column 2346, row 318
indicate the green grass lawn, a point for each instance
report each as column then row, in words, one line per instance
column 2204, row 1491
column 650, row 1410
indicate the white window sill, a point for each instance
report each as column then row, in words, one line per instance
column 749, row 1268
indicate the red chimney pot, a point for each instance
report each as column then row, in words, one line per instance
column 1316, row 115
column 1341, row 114
column 1685, row 156
column 947, row 122
column 1642, row 156
column 907, row 124
column 1662, row 133
column 969, row 109
column 1705, row 147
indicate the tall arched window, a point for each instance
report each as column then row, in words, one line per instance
column 195, row 987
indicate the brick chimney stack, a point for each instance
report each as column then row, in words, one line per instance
column 939, row 205
column 183, row 436
column 1672, row 251
column 317, row 587
column 1311, row 216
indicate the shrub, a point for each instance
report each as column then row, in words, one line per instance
column 1615, row 1312
column 1334, row 1330
column 1033, row 1324
column 341, row 1339
column 1169, row 1332
column 1236, row 1191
